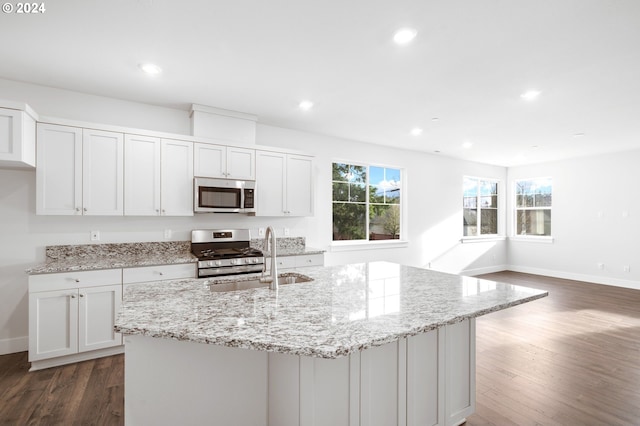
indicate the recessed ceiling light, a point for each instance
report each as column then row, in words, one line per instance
column 404, row 35
column 305, row 105
column 530, row 95
column 435, row 119
column 467, row 145
column 151, row 69
column 578, row 135
column 416, row 131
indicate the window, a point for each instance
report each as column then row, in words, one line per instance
column 480, row 207
column 366, row 202
column 533, row 206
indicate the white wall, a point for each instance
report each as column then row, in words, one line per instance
column 434, row 221
column 591, row 196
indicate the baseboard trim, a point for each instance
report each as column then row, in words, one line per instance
column 13, row 345
column 616, row 282
column 70, row 359
column 484, row 270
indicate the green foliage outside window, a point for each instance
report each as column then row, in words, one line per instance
column 366, row 202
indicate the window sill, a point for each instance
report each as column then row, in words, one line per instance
column 532, row 239
column 486, row 239
column 367, row 245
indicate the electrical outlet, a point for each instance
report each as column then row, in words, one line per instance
column 167, row 234
column 626, row 268
column 260, row 232
column 95, row 235
column 600, row 265
column 286, row 232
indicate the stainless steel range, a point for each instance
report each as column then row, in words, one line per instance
column 225, row 252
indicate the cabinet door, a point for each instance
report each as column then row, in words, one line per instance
column 176, row 183
column 59, row 170
column 53, row 324
column 102, row 173
column 141, row 176
column 17, row 139
column 241, row 163
column 97, row 310
column 271, row 180
column 210, row 160
column 299, row 188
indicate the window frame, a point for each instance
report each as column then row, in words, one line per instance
column 530, row 237
column 499, row 197
column 340, row 245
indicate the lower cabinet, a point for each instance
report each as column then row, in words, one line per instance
column 72, row 315
column 300, row 261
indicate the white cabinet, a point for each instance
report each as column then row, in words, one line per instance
column 59, row 170
column 460, row 371
column 17, row 139
column 72, row 313
column 79, row 171
column 158, row 177
column 176, row 177
column 284, row 184
column 300, row 261
column 218, row 161
column 141, row 176
column 102, row 173
column 158, row 272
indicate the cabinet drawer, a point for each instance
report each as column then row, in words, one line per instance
column 284, row 262
column 64, row 280
column 157, row 273
column 309, row 260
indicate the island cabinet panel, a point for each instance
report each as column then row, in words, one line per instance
column 460, row 371
column 379, row 390
column 425, row 390
column 406, row 382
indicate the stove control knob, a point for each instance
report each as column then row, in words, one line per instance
column 210, row 263
column 218, row 262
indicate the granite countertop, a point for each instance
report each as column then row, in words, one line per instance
column 293, row 251
column 91, row 257
column 345, row 309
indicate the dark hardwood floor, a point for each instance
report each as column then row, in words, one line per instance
column 572, row 358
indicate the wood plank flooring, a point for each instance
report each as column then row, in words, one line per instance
column 572, row 358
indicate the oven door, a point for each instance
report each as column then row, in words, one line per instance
column 218, row 196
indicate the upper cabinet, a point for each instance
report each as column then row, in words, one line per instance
column 285, row 184
column 79, row 171
column 176, row 176
column 17, row 138
column 102, row 173
column 158, row 177
column 227, row 162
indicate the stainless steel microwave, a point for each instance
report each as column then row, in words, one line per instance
column 224, row 196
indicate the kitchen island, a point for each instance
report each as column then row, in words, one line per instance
column 363, row 344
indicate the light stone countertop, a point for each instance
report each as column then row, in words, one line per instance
column 345, row 309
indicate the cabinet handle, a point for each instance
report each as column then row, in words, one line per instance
column 157, row 210
column 77, row 209
column 308, row 260
column 163, row 211
column 73, row 296
column 161, row 273
column 85, row 209
column 81, row 295
column 77, row 280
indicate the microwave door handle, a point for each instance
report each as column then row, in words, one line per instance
column 242, row 198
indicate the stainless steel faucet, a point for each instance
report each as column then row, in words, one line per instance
column 273, row 275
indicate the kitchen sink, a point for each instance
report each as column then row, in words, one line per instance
column 284, row 278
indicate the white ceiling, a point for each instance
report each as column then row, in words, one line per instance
column 468, row 66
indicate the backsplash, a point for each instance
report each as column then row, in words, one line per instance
column 282, row 243
column 117, row 249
